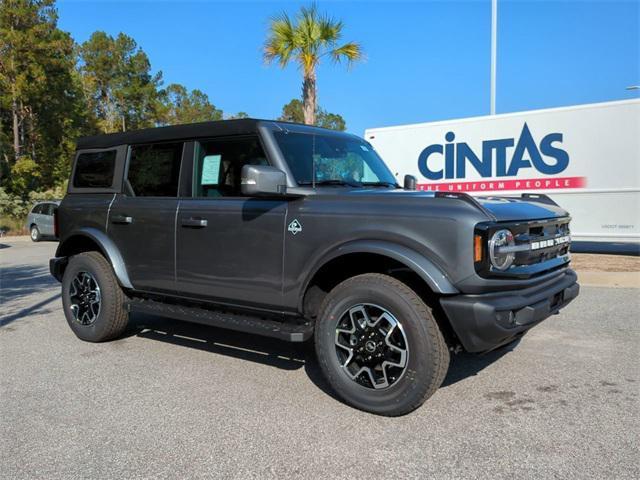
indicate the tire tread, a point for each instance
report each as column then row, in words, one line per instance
column 117, row 316
column 440, row 364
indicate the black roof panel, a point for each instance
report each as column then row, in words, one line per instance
column 174, row 132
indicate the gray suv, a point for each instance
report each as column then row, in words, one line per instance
column 298, row 233
column 40, row 220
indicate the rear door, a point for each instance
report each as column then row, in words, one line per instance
column 229, row 247
column 142, row 218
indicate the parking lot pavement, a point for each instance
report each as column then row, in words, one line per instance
column 176, row 400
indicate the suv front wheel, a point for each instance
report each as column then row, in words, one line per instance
column 379, row 346
column 92, row 299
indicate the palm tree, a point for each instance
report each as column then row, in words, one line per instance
column 307, row 39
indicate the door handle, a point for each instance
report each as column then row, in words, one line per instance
column 194, row 222
column 121, row 219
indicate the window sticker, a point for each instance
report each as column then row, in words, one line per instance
column 210, row 170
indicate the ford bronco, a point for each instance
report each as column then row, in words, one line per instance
column 297, row 232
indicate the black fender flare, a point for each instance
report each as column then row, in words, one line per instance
column 108, row 249
column 424, row 267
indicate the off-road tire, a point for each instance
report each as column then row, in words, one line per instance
column 428, row 355
column 112, row 318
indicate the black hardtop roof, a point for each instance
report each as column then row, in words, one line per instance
column 217, row 128
column 174, row 132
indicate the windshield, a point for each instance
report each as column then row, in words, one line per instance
column 332, row 159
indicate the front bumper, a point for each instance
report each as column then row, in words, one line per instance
column 57, row 266
column 484, row 322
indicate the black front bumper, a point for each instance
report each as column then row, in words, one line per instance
column 484, row 322
column 57, row 266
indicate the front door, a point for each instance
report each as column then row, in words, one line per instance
column 229, row 247
column 142, row 219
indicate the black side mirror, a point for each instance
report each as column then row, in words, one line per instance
column 410, row 182
column 262, row 180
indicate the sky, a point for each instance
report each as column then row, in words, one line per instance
column 425, row 60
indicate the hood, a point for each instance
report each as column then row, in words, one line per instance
column 509, row 209
column 501, row 208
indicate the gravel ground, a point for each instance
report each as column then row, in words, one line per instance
column 176, row 400
column 597, row 262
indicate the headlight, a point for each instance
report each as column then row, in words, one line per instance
column 501, row 260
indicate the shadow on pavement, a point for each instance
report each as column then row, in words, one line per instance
column 276, row 353
column 22, row 281
column 6, row 320
column 464, row 365
column 253, row 348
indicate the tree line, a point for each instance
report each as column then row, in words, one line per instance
column 53, row 89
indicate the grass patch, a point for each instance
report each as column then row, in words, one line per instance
column 12, row 226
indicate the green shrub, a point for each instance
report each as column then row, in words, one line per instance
column 14, row 208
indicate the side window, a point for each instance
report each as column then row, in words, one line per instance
column 49, row 208
column 219, row 165
column 37, row 209
column 95, row 169
column 154, row 170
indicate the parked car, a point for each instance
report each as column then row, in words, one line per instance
column 40, row 220
column 297, row 232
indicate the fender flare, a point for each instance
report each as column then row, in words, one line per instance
column 418, row 263
column 108, row 249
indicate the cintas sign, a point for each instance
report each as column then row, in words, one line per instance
column 499, row 159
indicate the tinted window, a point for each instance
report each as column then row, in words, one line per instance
column 37, row 209
column 219, row 165
column 95, row 169
column 154, row 170
column 49, row 208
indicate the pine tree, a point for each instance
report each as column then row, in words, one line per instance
column 116, row 75
column 41, row 106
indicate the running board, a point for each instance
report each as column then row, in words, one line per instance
column 290, row 332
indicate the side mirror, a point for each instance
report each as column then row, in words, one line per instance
column 410, row 182
column 262, row 180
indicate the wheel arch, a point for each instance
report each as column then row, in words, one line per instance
column 373, row 253
column 92, row 239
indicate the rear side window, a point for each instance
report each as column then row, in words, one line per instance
column 154, row 170
column 37, row 209
column 95, row 169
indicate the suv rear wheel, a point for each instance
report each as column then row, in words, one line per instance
column 92, row 299
column 379, row 346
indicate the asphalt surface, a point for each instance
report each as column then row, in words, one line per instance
column 176, row 400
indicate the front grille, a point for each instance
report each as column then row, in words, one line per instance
column 541, row 246
column 545, row 241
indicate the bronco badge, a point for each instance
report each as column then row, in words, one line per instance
column 295, row 227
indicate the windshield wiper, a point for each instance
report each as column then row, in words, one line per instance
column 332, row 182
column 380, row 184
